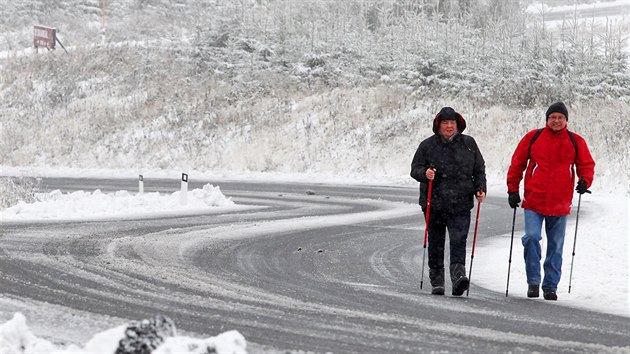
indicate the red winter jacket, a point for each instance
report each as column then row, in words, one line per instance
column 549, row 176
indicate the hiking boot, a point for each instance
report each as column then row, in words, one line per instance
column 437, row 281
column 459, row 279
column 550, row 294
column 532, row 291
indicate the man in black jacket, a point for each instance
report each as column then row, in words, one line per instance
column 454, row 163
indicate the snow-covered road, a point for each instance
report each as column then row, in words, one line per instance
column 302, row 267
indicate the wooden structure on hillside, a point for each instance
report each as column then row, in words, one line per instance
column 44, row 36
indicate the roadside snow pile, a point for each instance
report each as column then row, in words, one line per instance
column 154, row 336
column 98, row 205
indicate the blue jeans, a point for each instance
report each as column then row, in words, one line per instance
column 555, row 227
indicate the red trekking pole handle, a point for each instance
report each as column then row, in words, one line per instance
column 476, row 226
column 472, row 254
column 426, row 230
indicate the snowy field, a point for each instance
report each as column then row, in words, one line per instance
column 601, row 273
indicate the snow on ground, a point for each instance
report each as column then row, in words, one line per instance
column 17, row 337
column 97, row 205
column 601, row 270
column 599, row 278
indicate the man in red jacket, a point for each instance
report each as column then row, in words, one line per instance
column 550, row 158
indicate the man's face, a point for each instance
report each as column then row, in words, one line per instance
column 556, row 121
column 448, row 128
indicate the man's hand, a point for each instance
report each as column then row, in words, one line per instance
column 514, row 199
column 581, row 187
column 481, row 196
column 430, row 173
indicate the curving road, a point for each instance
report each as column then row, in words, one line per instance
column 336, row 269
column 590, row 12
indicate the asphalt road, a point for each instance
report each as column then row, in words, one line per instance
column 587, row 13
column 309, row 268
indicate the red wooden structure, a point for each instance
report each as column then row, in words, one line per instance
column 44, row 36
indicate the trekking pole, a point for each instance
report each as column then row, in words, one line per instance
column 577, row 217
column 472, row 254
column 510, row 260
column 426, row 230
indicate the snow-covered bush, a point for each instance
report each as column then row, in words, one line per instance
column 143, row 337
column 14, row 190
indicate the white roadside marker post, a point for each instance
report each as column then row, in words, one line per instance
column 183, row 198
column 140, row 184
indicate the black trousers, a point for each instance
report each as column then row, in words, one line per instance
column 458, row 226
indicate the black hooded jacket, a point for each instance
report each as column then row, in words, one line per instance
column 460, row 170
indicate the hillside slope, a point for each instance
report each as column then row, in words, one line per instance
column 347, row 88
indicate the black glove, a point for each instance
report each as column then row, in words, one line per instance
column 581, row 187
column 514, row 199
